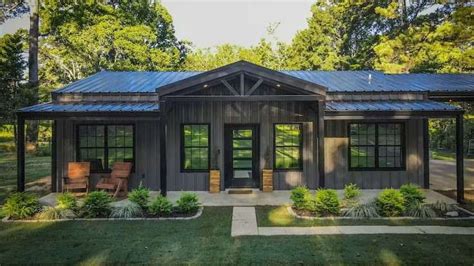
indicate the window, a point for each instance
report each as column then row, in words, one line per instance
column 195, row 147
column 376, row 146
column 103, row 145
column 288, row 146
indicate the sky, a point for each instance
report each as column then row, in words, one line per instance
column 207, row 23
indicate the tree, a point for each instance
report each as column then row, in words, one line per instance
column 83, row 37
column 33, row 78
column 13, row 90
column 430, row 45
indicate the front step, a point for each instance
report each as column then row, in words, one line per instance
column 240, row 190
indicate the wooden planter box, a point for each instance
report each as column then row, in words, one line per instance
column 267, row 180
column 214, row 181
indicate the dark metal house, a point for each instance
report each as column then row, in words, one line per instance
column 313, row 128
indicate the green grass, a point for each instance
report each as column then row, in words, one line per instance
column 207, row 240
column 442, row 155
column 36, row 168
column 268, row 216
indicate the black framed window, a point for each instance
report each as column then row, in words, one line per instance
column 195, row 147
column 288, row 145
column 103, row 145
column 376, row 146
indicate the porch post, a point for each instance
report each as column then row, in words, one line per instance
column 321, row 108
column 163, row 121
column 460, row 158
column 426, row 154
column 54, row 185
column 20, row 153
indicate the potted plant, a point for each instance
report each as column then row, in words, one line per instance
column 215, row 173
column 267, row 174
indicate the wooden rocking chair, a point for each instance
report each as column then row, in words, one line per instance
column 118, row 179
column 77, row 176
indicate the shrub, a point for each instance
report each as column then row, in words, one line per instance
column 128, row 210
column 21, row 205
column 160, row 206
column 351, row 191
column 441, row 208
column 421, row 211
column 140, row 196
column 326, row 202
column 67, row 201
column 368, row 210
column 55, row 213
column 412, row 195
column 97, row 204
column 188, row 202
column 390, row 202
column 301, row 198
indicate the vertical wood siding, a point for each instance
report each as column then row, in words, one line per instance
column 217, row 114
column 147, row 161
column 336, row 155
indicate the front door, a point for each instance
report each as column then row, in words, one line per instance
column 241, row 156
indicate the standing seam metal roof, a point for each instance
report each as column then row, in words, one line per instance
column 335, row 81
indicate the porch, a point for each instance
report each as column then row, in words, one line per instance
column 259, row 198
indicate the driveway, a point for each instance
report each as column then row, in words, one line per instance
column 443, row 174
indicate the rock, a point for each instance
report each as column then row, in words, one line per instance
column 452, row 214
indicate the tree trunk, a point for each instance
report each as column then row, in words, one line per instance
column 33, row 79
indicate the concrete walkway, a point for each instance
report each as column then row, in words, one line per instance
column 443, row 174
column 244, row 223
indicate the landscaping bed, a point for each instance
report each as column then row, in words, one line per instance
column 99, row 205
column 408, row 202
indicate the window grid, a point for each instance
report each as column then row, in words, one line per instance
column 195, row 148
column 102, row 146
column 287, row 154
column 382, row 150
column 242, row 152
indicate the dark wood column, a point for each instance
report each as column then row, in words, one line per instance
column 321, row 135
column 163, row 122
column 20, row 153
column 460, row 157
column 426, row 154
column 54, row 179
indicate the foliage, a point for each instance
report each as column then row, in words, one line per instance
column 21, row 205
column 412, row 195
column 420, row 210
column 84, row 37
column 301, row 197
column 55, row 213
column 97, row 204
column 129, row 210
column 188, row 203
column 13, row 92
column 140, row 196
column 441, row 208
column 160, row 206
column 391, row 202
column 66, row 201
column 326, row 202
column 368, row 210
column 351, row 191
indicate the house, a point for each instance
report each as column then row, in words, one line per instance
column 313, row 128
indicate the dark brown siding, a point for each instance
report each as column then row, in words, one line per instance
column 217, row 114
column 147, row 162
column 336, row 153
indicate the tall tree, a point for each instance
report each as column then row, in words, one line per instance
column 33, row 78
column 13, row 92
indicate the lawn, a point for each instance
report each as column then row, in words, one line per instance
column 279, row 216
column 207, row 240
column 36, row 167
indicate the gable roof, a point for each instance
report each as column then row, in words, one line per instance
column 334, row 81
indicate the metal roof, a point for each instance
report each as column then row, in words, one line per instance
column 335, row 81
column 389, row 106
column 154, row 107
column 91, row 107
